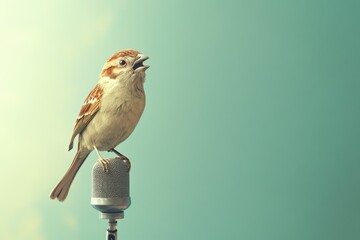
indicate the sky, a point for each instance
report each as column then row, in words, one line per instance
column 250, row 131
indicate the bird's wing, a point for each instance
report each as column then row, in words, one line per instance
column 87, row 112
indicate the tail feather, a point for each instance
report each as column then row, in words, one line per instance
column 62, row 188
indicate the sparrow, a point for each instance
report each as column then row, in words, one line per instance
column 109, row 114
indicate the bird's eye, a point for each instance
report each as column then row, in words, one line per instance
column 122, row 63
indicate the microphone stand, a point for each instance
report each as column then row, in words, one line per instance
column 111, row 232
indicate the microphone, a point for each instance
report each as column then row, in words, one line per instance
column 110, row 193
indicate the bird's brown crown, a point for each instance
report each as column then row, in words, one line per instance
column 124, row 53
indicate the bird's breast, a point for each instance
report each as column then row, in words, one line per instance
column 115, row 121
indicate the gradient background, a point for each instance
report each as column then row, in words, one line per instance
column 251, row 129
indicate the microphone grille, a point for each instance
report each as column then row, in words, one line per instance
column 114, row 184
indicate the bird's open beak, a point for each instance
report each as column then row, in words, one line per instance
column 138, row 64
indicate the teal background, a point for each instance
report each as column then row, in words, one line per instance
column 251, row 129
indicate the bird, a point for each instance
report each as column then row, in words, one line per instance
column 109, row 114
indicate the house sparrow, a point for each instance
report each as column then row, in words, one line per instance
column 109, row 114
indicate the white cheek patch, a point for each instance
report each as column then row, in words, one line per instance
column 116, row 71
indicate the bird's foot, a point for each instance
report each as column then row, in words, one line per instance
column 126, row 161
column 105, row 164
column 122, row 157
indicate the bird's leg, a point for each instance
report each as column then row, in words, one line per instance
column 122, row 157
column 103, row 161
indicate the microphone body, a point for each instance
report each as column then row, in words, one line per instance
column 110, row 192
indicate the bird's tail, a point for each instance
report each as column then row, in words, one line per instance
column 62, row 188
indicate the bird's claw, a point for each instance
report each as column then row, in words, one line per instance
column 126, row 161
column 105, row 164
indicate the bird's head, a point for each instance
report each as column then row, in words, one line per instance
column 125, row 64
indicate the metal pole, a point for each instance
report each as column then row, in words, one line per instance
column 111, row 233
